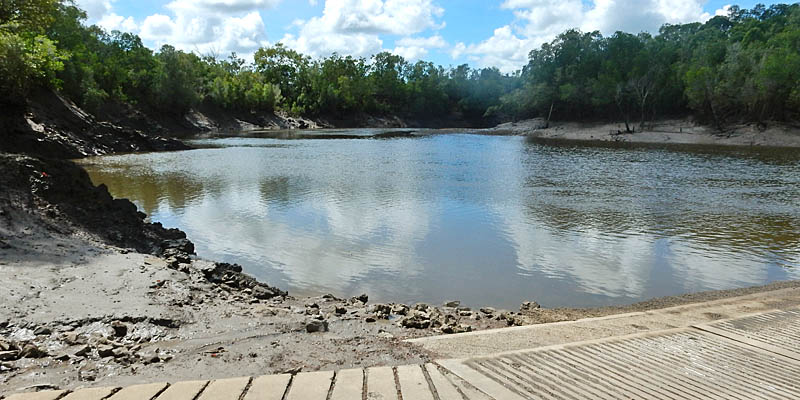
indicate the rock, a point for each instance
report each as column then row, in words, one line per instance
column 385, row 335
column 312, row 311
column 180, row 245
column 488, row 310
column 529, row 306
column 9, row 355
column 417, row 320
column 149, row 358
column 421, row 307
column 264, row 292
column 121, row 352
column 313, row 305
column 71, row 338
column 83, row 351
column 362, row 298
column 330, row 297
column 62, row 357
column 179, row 256
column 452, row 304
column 32, row 351
column 370, row 319
column 120, row 329
column 6, row 346
column 514, row 320
column 340, row 310
column 400, row 309
column 42, row 330
column 465, row 313
column 382, row 310
column 452, row 329
column 105, row 350
column 317, row 326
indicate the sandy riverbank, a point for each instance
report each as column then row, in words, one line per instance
column 666, row 131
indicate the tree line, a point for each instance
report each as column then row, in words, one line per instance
column 745, row 65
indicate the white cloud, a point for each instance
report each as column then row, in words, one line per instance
column 540, row 21
column 220, row 6
column 354, row 26
column 207, row 33
column 95, row 9
column 114, row 22
column 724, row 11
column 415, row 48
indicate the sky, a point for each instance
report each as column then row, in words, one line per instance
column 482, row 33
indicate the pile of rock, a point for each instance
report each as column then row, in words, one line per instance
column 78, row 342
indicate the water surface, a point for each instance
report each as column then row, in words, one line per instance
column 487, row 220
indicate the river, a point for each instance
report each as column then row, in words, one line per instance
column 487, row 220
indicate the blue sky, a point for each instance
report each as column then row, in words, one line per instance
column 448, row 32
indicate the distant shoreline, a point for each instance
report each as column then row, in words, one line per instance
column 665, row 131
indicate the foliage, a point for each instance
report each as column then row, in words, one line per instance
column 745, row 65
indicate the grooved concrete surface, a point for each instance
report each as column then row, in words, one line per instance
column 754, row 357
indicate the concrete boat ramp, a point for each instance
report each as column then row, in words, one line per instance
column 750, row 356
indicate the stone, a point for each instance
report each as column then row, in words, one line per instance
column 71, row 338
column 263, row 293
column 488, row 310
column 62, row 357
column 120, row 328
column 417, row 320
column 312, row 311
column 370, row 319
column 465, row 313
column 382, row 310
column 6, row 346
column 317, row 326
column 105, row 350
column 340, row 310
column 362, row 298
column 42, row 330
column 421, row 307
column 83, row 351
column 149, row 358
column 452, row 304
column 529, row 306
column 385, row 335
column 121, row 352
column 9, row 355
column 32, row 351
column 400, row 309
column 452, row 329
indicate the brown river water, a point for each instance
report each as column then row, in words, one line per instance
column 483, row 219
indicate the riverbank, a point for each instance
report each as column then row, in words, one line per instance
column 678, row 131
column 81, row 313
